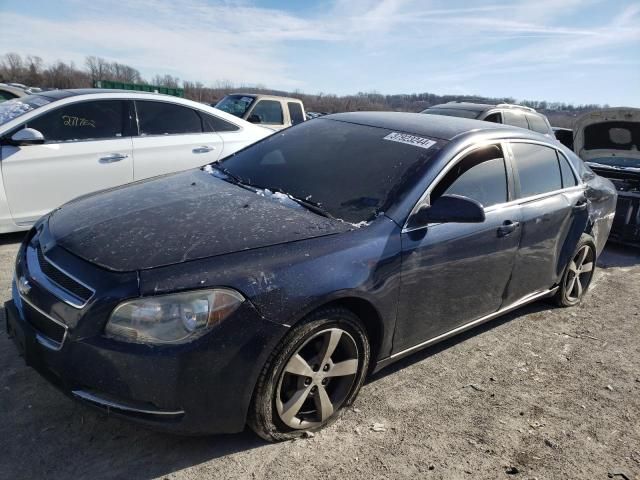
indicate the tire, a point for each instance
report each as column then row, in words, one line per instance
column 308, row 380
column 578, row 274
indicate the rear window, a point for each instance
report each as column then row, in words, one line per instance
column 516, row 119
column 612, row 135
column 350, row 170
column 295, row 112
column 211, row 123
column 537, row 123
column 452, row 112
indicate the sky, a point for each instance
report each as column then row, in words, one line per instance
column 575, row 51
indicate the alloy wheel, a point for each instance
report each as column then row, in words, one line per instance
column 580, row 273
column 317, row 379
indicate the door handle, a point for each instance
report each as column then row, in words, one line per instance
column 114, row 157
column 203, row 149
column 507, row 228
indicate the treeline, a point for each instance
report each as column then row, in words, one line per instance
column 33, row 71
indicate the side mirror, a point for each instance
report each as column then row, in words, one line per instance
column 449, row 209
column 27, row 136
column 253, row 118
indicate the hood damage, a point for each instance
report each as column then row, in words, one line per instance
column 609, row 142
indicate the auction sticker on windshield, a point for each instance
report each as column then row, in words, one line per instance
column 410, row 140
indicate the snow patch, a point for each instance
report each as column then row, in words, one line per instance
column 280, row 197
column 13, row 109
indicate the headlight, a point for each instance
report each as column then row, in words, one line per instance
column 175, row 318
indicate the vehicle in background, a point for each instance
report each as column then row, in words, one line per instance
column 506, row 113
column 264, row 288
column 564, row 136
column 9, row 92
column 608, row 141
column 60, row 144
column 269, row 110
column 312, row 115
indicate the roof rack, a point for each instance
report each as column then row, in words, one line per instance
column 511, row 105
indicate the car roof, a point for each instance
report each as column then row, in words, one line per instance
column 476, row 107
column 266, row 96
column 435, row 126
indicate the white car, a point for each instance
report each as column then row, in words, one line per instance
column 60, row 144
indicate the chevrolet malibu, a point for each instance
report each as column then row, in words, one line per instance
column 263, row 288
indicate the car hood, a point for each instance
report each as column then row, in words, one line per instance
column 177, row 218
column 621, row 116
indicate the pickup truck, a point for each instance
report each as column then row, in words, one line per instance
column 268, row 110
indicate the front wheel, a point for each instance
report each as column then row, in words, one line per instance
column 578, row 274
column 317, row 371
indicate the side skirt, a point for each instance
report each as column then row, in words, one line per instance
column 523, row 301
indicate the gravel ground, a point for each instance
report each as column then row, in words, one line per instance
column 541, row 393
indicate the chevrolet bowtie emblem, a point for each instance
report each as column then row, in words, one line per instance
column 24, row 287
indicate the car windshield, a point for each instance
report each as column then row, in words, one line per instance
column 235, row 104
column 452, row 112
column 14, row 108
column 351, row 171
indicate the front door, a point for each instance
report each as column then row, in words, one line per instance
column 454, row 273
column 85, row 150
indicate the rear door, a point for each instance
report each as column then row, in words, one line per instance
column 171, row 138
column 554, row 215
column 87, row 148
column 454, row 273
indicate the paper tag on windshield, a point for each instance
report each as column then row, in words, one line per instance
column 410, row 140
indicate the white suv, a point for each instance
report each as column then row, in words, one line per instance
column 60, row 144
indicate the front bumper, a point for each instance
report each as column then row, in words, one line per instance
column 199, row 388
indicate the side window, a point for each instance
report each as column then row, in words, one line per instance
column 517, row 119
column 163, row 118
column 211, row 123
column 267, row 111
column 537, row 167
column 568, row 178
column 481, row 176
column 95, row 120
column 537, row 123
column 295, row 112
column 494, row 118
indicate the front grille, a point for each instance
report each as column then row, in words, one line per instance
column 44, row 324
column 62, row 279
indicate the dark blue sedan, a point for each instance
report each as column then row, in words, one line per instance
column 262, row 289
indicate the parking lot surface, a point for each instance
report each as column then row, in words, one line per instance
column 541, row 393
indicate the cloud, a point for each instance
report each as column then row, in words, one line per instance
column 437, row 43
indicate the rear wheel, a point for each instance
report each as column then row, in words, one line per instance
column 317, row 371
column 578, row 274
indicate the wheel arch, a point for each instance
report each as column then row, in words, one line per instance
column 365, row 310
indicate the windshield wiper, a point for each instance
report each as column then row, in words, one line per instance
column 233, row 177
column 309, row 205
